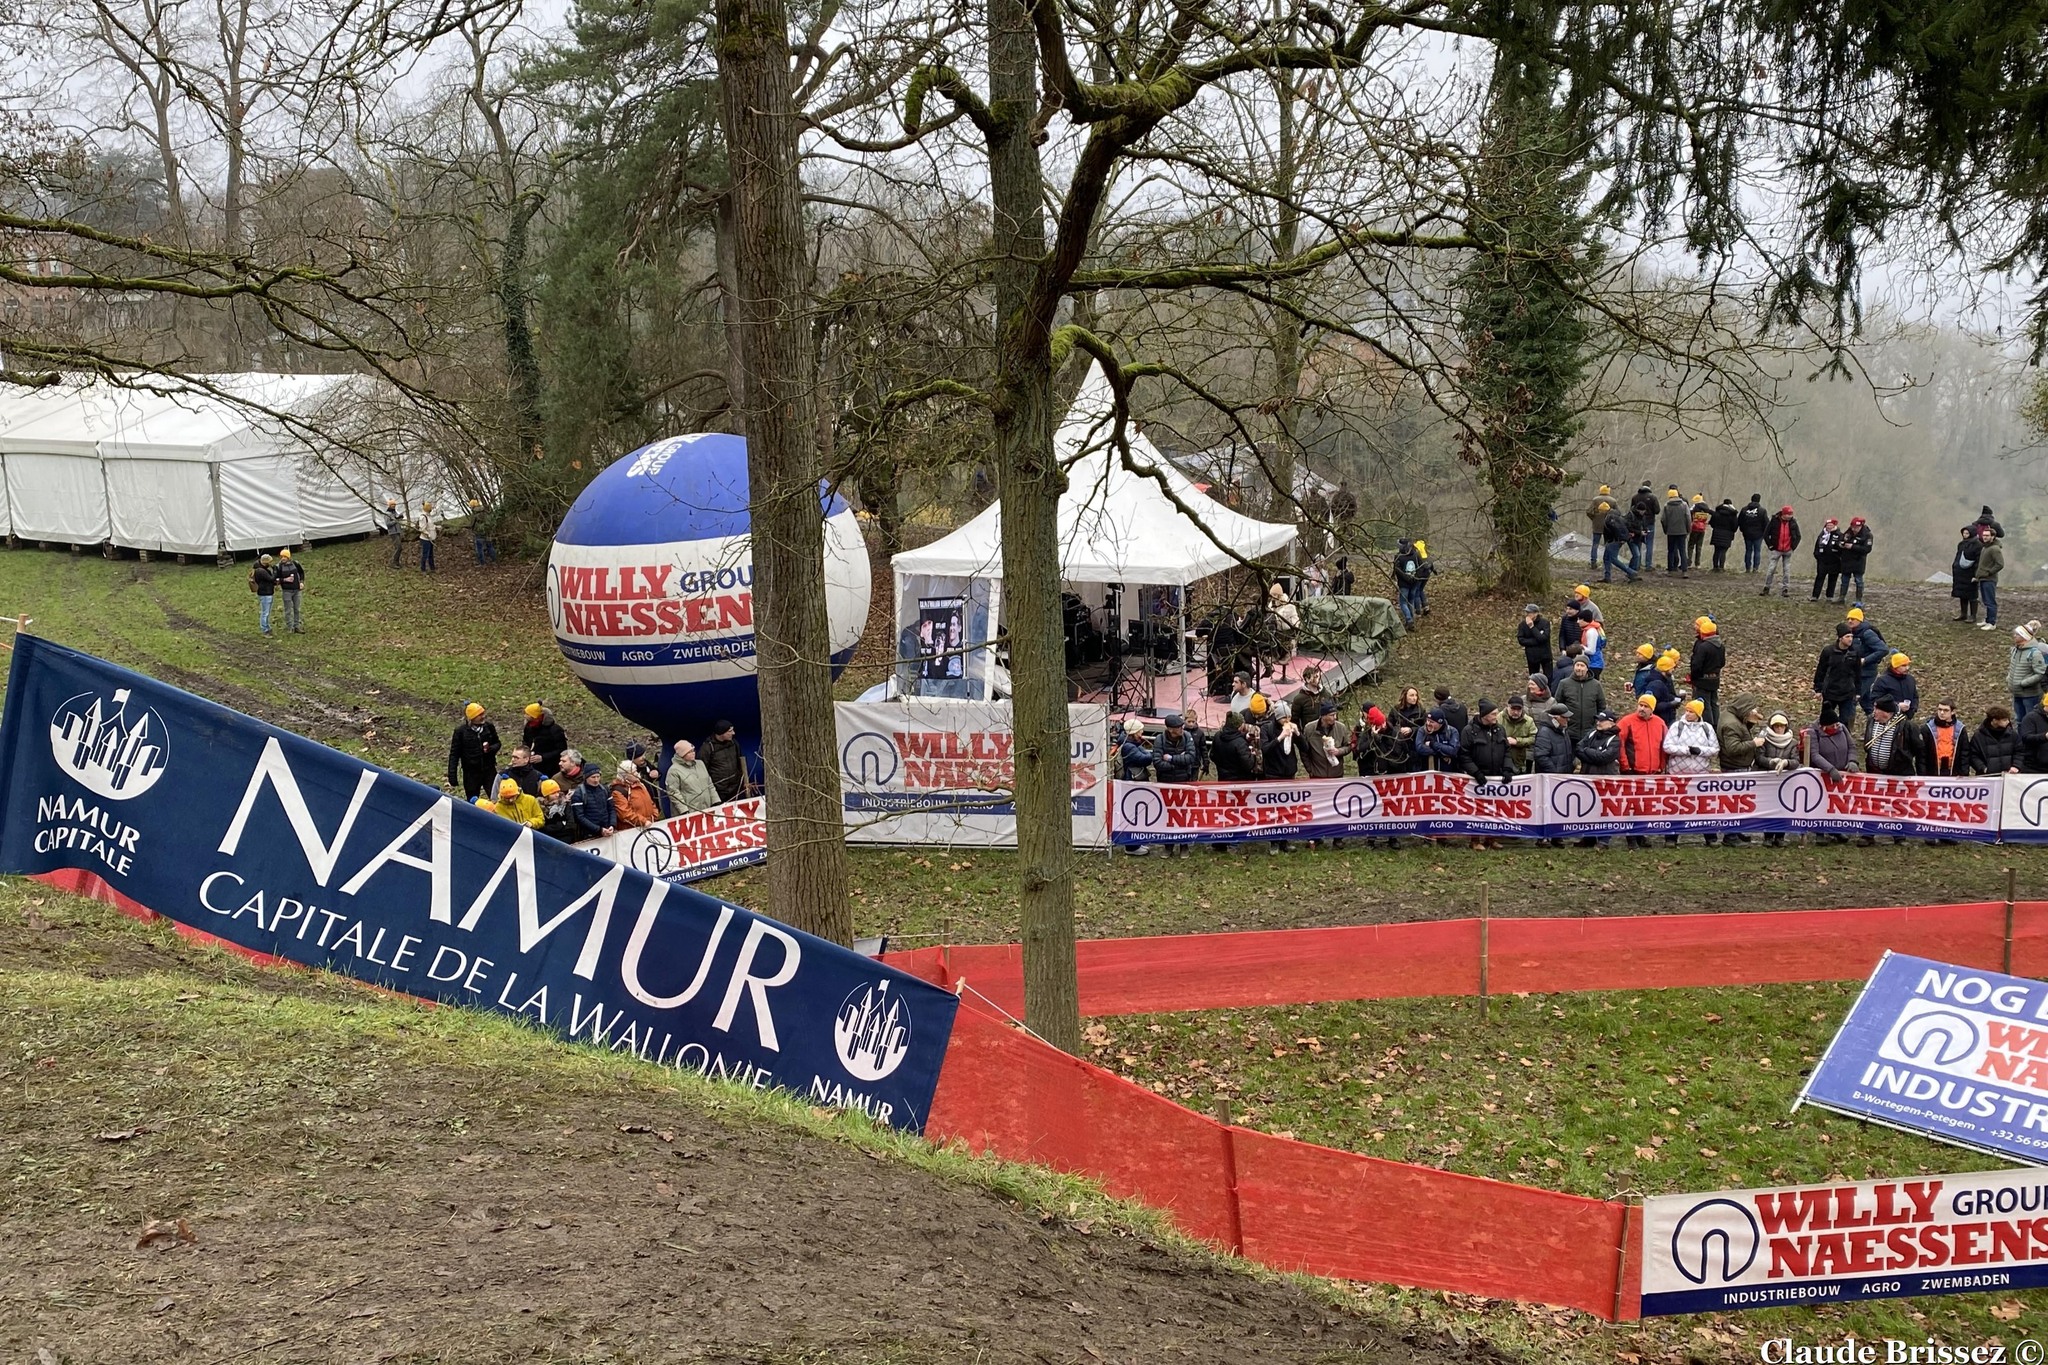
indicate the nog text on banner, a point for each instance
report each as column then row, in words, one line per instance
column 1956, row 1053
column 1830, row 1244
column 285, row 847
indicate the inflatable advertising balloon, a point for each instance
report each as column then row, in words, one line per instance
column 651, row 587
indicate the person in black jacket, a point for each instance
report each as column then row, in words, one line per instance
column 1721, row 524
column 722, row 758
column 1620, row 531
column 1838, row 675
column 1752, row 521
column 1599, row 751
column 1896, row 745
column 473, row 752
column 1533, row 635
column 1378, row 746
column 1642, row 545
column 1857, row 542
column 1484, row 745
column 543, row 738
column 1827, row 561
column 2034, row 740
column 1553, row 751
column 263, row 582
column 1455, row 714
column 1995, row 748
column 590, row 809
column 291, row 581
column 1962, row 574
column 1709, row 657
column 1232, row 752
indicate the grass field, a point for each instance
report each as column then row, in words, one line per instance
column 1573, row 1093
column 1604, row 1094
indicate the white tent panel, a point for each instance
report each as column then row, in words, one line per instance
column 6, row 503
column 259, row 503
column 1138, row 522
column 327, row 504
column 57, row 497
column 162, row 505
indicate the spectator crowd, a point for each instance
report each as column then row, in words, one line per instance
column 1659, row 710
column 547, row 784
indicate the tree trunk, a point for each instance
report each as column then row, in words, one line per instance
column 1030, row 483
column 769, row 336
column 521, row 359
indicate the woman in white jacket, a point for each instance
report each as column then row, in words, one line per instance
column 1689, row 747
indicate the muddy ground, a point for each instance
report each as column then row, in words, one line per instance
column 366, row 1181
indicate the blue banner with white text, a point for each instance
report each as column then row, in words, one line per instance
column 286, row 847
column 1956, row 1053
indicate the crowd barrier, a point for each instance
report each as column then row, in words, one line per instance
column 1286, row 1204
column 2008, row 807
column 1502, row 956
column 1296, row 1206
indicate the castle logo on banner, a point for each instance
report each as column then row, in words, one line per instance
column 1328, row 808
column 1951, row 1052
column 286, row 848
column 1831, row 1244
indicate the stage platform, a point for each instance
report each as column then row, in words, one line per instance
column 1186, row 692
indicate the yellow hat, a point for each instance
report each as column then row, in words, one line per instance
column 1695, row 707
column 1605, row 491
column 1666, row 662
column 1422, row 548
column 1605, row 506
column 1704, row 625
column 1257, row 705
column 427, row 506
column 1646, row 702
column 284, row 554
column 1901, row 661
column 484, row 802
column 533, row 709
column 1582, row 591
column 550, row 787
column 1855, row 613
column 474, row 503
column 507, row 788
column 473, row 710
column 1646, row 651
column 1699, row 497
column 1671, row 492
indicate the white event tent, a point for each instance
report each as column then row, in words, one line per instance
column 1122, row 527
column 173, row 468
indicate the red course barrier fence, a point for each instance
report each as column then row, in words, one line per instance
column 1443, row 957
column 1296, row 1206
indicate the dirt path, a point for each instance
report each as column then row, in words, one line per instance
column 368, row 1183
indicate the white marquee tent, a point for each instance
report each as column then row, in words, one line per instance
column 1121, row 522
column 179, row 470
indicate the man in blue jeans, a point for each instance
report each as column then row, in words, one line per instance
column 1618, row 532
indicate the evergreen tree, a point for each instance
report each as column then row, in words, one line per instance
column 1521, row 314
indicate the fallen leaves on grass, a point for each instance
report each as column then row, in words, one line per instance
column 2006, row 1309
column 119, row 1135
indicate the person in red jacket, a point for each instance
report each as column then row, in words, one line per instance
column 1781, row 538
column 1642, row 747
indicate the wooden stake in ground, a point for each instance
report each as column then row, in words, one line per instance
column 806, row 869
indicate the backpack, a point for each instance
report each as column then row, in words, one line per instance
column 252, row 581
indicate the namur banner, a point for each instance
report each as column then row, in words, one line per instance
column 287, row 848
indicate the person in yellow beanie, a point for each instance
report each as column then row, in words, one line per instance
column 473, row 752
column 1660, row 686
column 556, row 820
column 544, row 739
column 1709, row 657
column 515, row 805
column 1696, row 530
column 1896, row 684
column 1596, row 514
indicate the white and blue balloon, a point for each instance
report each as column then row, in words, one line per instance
column 651, row 587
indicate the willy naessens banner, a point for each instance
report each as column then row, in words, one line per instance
column 285, row 847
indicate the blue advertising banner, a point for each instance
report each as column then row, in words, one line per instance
column 1951, row 1052
column 286, row 847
